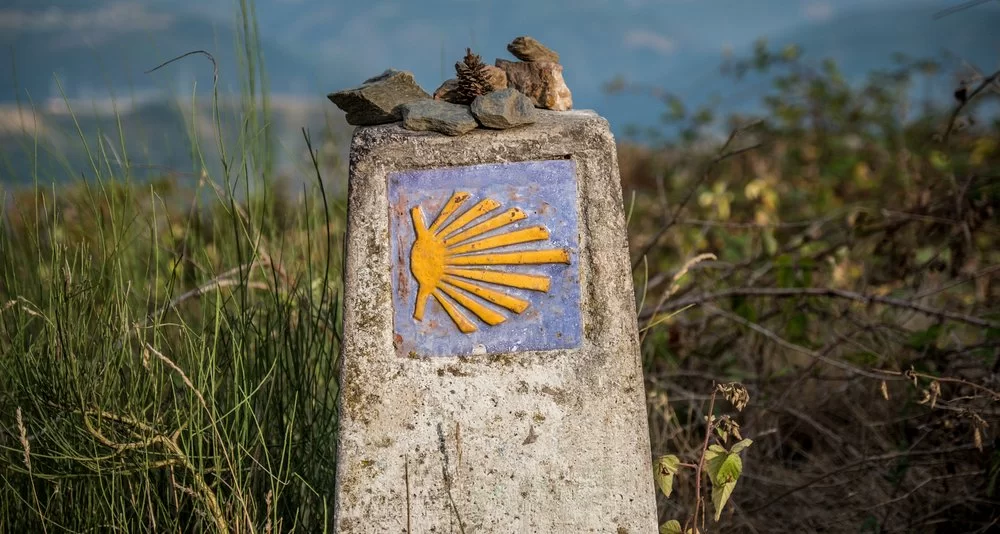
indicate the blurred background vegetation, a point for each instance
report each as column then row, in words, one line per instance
column 169, row 311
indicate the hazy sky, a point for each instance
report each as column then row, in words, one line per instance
column 317, row 46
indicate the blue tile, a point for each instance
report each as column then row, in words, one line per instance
column 545, row 192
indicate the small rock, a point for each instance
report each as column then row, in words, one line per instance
column 437, row 116
column 497, row 77
column 542, row 81
column 503, row 109
column 528, row 49
column 377, row 100
column 449, row 92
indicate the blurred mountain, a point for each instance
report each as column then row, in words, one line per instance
column 160, row 138
column 96, row 52
column 96, row 49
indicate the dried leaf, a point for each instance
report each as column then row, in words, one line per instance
column 884, row 388
column 735, row 393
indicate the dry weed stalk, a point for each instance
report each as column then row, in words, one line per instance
column 22, row 430
column 145, row 437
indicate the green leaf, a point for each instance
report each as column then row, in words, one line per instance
column 714, row 451
column 737, row 448
column 940, row 160
column 671, row 527
column 720, row 496
column 770, row 242
column 666, row 468
column 791, row 52
column 724, row 470
column 729, row 470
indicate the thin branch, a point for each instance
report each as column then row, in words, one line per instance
column 960, row 7
column 218, row 282
column 861, row 463
column 913, row 375
column 792, row 292
column 701, row 460
column 792, row 346
column 986, row 82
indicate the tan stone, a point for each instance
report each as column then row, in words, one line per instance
column 529, row 49
column 497, row 77
column 542, row 81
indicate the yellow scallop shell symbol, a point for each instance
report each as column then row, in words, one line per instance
column 449, row 261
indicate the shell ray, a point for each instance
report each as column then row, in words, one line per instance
column 513, row 304
column 450, row 261
column 488, row 316
column 449, row 208
column 519, row 280
column 527, row 257
column 524, row 235
column 481, row 208
column 508, row 217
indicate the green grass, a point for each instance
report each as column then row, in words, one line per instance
column 169, row 348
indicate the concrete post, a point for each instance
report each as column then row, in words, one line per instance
column 491, row 378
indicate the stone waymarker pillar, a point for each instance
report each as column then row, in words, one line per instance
column 491, row 378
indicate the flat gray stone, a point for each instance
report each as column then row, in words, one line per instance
column 487, row 441
column 503, row 109
column 377, row 100
column 437, row 116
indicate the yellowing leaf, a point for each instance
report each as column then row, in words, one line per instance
column 664, row 471
column 770, row 242
column 729, row 469
column 713, row 451
column 737, row 448
column 720, row 496
column 753, row 188
column 939, row 160
column 671, row 527
column 985, row 146
column 724, row 470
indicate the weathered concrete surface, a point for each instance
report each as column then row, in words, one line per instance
column 546, row 441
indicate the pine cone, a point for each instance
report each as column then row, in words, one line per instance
column 473, row 78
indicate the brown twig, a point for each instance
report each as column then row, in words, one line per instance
column 989, row 80
column 960, row 7
column 792, row 346
column 861, row 463
column 701, row 460
column 911, row 373
column 148, row 437
column 791, row 292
